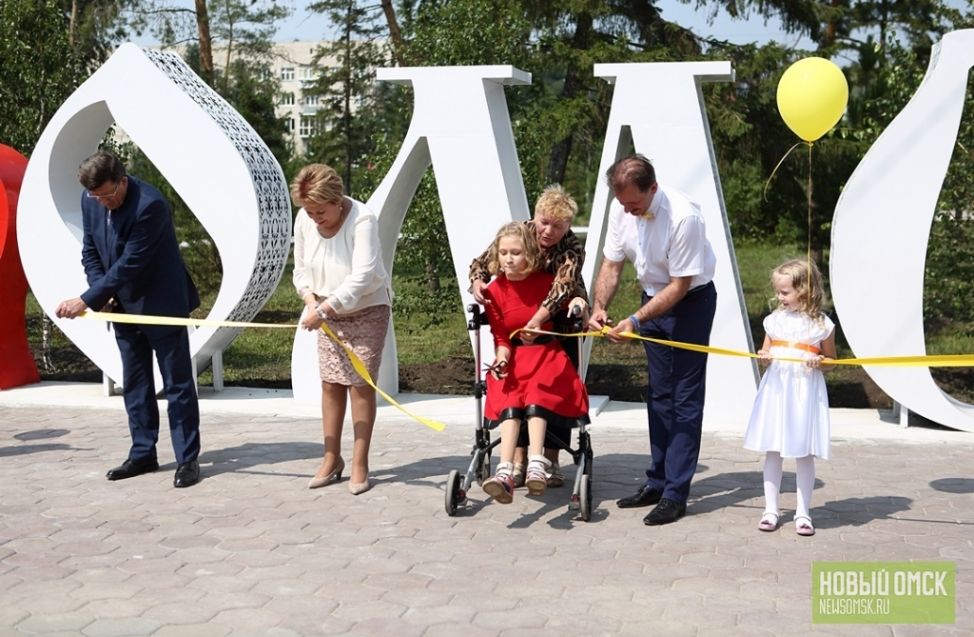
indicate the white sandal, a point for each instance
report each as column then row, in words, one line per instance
column 769, row 522
column 803, row 526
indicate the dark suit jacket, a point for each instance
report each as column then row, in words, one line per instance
column 134, row 257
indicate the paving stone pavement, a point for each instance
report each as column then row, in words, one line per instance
column 251, row 551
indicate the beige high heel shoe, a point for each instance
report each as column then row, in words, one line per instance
column 334, row 476
column 356, row 488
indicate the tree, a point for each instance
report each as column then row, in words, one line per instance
column 174, row 25
column 237, row 33
column 244, row 32
column 94, row 27
column 35, row 78
column 749, row 152
column 205, row 40
column 39, row 69
column 561, row 117
column 395, row 32
column 461, row 32
column 346, row 85
column 47, row 47
column 242, row 28
column 569, row 105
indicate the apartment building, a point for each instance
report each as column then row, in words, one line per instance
column 292, row 63
column 293, row 66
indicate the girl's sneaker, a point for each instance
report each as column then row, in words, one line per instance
column 536, row 479
column 501, row 486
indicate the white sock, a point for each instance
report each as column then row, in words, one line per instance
column 772, row 480
column 805, row 481
column 539, row 462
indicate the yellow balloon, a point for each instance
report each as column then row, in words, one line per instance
column 812, row 96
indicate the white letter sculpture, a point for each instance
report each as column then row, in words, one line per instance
column 881, row 228
column 211, row 156
column 461, row 126
column 673, row 132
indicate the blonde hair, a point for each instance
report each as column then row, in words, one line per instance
column 317, row 184
column 529, row 239
column 555, row 202
column 807, row 281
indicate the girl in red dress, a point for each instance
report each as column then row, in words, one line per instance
column 531, row 379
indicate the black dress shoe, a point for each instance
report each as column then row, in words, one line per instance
column 187, row 474
column 131, row 468
column 665, row 512
column 642, row 498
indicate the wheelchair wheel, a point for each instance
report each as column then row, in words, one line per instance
column 454, row 496
column 585, row 498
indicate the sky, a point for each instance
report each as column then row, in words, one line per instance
column 305, row 25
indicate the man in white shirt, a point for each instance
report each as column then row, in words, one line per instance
column 662, row 232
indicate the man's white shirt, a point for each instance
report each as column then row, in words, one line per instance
column 671, row 244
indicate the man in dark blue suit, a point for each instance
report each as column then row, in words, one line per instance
column 132, row 262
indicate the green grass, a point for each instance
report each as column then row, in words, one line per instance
column 261, row 356
column 423, row 336
column 755, row 263
column 951, row 341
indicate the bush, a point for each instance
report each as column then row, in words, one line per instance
column 949, row 285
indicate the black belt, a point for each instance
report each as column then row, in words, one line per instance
column 699, row 288
column 541, row 340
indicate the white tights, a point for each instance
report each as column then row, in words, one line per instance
column 804, row 479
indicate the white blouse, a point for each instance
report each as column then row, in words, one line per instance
column 345, row 270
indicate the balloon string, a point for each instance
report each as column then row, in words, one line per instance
column 775, row 171
column 808, row 248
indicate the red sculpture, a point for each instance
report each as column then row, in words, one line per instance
column 16, row 362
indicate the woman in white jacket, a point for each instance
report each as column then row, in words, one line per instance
column 338, row 273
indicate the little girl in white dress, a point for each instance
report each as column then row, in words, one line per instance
column 790, row 418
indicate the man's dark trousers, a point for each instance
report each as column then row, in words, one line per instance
column 171, row 346
column 675, row 396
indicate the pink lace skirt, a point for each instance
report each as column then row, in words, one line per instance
column 365, row 333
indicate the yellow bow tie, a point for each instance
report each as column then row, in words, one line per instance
column 649, row 215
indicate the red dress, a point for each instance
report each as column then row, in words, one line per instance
column 539, row 375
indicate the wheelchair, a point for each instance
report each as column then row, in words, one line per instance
column 458, row 484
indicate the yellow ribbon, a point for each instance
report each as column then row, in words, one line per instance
column 357, row 364
column 145, row 319
column 935, row 360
